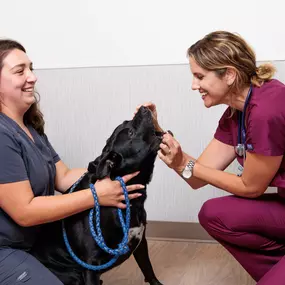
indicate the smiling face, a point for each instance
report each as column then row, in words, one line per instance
column 213, row 88
column 223, row 65
column 17, row 82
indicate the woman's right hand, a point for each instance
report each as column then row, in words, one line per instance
column 171, row 153
column 110, row 192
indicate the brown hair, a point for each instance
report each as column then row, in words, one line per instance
column 33, row 116
column 219, row 50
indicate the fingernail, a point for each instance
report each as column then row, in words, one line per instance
column 142, row 186
column 139, row 194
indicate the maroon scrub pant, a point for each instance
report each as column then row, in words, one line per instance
column 253, row 231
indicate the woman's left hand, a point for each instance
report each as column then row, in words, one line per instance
column 171, row 153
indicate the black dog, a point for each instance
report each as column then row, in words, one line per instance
column 133, row 146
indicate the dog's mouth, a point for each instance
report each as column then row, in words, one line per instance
column 159, row 134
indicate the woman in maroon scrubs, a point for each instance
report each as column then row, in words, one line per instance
column 249, row 223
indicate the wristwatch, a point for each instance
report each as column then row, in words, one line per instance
column 188, row 170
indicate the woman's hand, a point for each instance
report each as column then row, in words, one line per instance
column 110, row 193
column 152, row 108
column 171, row 153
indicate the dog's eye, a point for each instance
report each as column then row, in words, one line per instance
column 131, row 132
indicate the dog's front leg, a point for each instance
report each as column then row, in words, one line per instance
column 142, row 258
column 92, row 278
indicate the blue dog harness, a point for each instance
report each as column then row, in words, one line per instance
column 98, row 237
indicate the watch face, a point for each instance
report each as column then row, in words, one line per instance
column 187, row 173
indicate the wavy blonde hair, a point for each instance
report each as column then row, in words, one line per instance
column 33, row 116
column 220, row 50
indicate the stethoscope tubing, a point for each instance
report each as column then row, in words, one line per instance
column 241, row 145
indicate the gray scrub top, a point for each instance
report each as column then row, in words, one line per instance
column 22, row 159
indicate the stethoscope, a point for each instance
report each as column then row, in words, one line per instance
column 241, row 145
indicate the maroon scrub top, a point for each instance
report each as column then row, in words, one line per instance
column 265, row 126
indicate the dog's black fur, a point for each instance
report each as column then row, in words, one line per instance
column 133, row 146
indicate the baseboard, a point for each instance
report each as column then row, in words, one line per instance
column 160, row 230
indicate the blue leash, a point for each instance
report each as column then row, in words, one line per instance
column 98, row 237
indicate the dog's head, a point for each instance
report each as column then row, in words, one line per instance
column 132, row 146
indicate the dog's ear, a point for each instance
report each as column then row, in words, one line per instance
column 107, row 164
column 92, row 166
column 104, row 169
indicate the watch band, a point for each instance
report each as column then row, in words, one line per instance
column 191, row 164
column 188, row 169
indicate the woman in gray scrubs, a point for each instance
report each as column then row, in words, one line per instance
column 30, row 171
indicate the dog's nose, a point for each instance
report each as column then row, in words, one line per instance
column 144, row 109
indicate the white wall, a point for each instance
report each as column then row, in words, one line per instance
column 72, row 33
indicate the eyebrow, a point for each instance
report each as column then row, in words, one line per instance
column 21, row 65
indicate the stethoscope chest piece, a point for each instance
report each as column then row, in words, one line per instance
column 240, row 149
